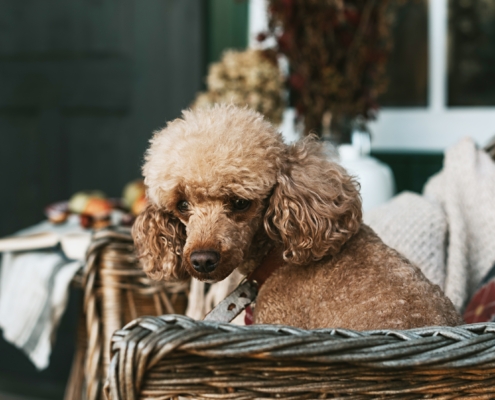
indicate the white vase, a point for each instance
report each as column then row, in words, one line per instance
column 376, row 178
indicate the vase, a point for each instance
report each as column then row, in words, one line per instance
column 375, row 178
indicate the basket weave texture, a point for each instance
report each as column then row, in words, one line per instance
column 116, row 291
column 173, row 356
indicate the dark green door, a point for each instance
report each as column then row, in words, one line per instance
column 83, row 83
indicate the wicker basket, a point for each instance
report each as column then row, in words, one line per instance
column 116, row 291
column 173, row 356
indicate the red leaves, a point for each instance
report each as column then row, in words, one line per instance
column 337, row 52
column 296, row 81
column 285, row 41
column 346, row 38
column 261, row 37
column 352, row 16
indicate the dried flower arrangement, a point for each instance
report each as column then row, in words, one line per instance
column 337, row 51
column 251, row 78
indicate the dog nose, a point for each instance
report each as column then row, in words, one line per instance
column 204, row 260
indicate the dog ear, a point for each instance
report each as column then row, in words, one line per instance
column 315, row 206
column 159, row 238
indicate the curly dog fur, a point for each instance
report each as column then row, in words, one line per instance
column 222, row 181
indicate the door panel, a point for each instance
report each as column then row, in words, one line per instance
column 84, row 83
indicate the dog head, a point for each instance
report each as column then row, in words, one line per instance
column 218, row 177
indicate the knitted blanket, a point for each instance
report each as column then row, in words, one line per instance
column 449, row 232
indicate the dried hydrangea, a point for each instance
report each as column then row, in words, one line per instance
column 337, row 51
column 251, row 78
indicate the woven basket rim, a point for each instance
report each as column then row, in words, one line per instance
column 431, row 347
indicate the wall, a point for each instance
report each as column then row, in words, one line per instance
column 227, row 26
column 84, row 83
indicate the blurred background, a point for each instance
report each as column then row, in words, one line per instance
column 84, row 83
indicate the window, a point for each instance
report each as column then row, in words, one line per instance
column 471, row 64
column 443, row 78
column 407, row 67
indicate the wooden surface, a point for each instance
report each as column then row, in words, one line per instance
column 84, row 84
column 227, row 27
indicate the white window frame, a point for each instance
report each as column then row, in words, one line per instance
column 432, row 128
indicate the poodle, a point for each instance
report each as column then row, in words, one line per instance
column 225, row 192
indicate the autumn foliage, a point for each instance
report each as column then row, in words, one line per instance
column 337, row 52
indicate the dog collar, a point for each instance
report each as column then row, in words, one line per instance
column 247, row 291
column 270, row 263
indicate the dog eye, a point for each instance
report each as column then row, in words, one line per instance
column 183, row 206
column 240, row 204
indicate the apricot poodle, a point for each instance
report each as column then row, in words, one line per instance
column 225, row 190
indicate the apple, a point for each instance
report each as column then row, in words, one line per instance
column 79, row 200
column 139, row 205
column 133, row 191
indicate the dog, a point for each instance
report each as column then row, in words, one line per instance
column 225, row 192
